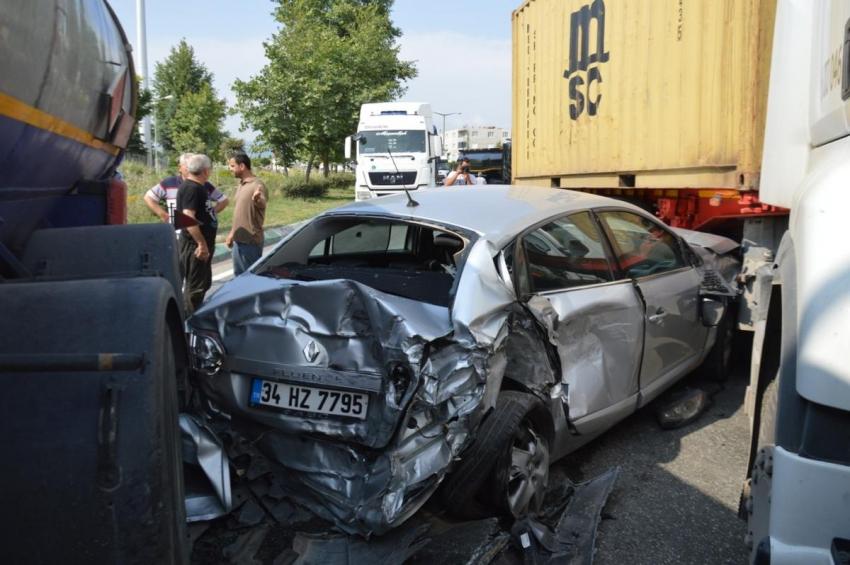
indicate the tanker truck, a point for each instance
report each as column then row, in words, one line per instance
column 728, row 117
column 92, row 350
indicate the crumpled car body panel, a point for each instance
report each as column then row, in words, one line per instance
column 264, row 324
column 358, row 333
column 579, row 351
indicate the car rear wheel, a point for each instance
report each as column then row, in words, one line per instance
column 522, row 472
column 506, row 469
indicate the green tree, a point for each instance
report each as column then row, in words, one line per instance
column 196, row 123
column 328, row 58
column 230, row 145
column 189, row 115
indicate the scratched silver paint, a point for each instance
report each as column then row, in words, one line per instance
column 360, row 331
column 368, row 476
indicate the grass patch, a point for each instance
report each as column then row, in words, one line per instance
column 281, row 209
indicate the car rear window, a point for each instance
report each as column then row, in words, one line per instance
column 407, row 259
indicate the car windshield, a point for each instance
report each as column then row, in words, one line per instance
column 406, row 259
column 394, row 141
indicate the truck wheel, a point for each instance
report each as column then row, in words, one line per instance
column 506, row 469
column 97, row 470
column 172, row 468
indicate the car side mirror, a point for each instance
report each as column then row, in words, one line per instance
column 711, row 311
column 436, row 145
column 348, row 148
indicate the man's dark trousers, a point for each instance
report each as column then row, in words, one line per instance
column 197, row 274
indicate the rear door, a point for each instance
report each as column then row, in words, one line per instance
column 650, row 255
column 565, row 268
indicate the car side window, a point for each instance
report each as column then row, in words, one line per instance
column 642, row 247
column 566, row 253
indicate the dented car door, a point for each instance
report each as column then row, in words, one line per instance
column 595, row 320
column 650, row 255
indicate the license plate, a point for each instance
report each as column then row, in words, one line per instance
column 309, row 399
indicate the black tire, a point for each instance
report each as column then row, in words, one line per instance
column 477, row 486
column 172, row 468
column 718, row 362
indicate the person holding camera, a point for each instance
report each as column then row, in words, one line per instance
column 461, row 174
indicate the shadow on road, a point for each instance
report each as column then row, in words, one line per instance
column 677, row 496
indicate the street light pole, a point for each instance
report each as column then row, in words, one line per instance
column 444, row 118
column 155, row 103
column 142, row 60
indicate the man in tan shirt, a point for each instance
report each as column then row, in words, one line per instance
column 249, row 213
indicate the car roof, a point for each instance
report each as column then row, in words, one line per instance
column 497, row 212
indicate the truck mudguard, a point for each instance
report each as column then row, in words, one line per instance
column 103, row 252
column 91, row 466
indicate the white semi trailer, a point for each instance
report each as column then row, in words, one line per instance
column 797, row 495
column 396, row 148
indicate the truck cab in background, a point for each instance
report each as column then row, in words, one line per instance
column 396, row 148
column 796, row 497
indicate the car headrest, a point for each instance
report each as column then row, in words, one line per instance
column 447, row 241
column 577, row 248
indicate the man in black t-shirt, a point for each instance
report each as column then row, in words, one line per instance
column 196, row 241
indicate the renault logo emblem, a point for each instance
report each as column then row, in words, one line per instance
column 311, row 351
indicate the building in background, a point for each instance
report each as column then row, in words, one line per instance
column 473, row 137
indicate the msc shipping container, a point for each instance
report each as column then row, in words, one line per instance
column 621, row 96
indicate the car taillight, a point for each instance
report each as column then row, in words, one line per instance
column 400, row 376
column 116, row 202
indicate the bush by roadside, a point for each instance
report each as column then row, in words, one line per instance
column 282, row 209
column 296, row 186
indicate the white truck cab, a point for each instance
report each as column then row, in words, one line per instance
column 396, row 148
column 797, row 494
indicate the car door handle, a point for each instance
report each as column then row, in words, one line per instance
column 658, row 317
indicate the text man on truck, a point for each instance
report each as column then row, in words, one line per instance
column 92, row 349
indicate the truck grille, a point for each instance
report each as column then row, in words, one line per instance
column 386, row 179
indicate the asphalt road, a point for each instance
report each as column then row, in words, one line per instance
column 677, row 497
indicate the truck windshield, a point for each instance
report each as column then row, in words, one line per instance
column 396, row 141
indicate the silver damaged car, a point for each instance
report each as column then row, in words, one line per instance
column 391, row 349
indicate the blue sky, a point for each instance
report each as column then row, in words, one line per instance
column 437, row 34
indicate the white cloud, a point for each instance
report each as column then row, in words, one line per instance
column 458, row 73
